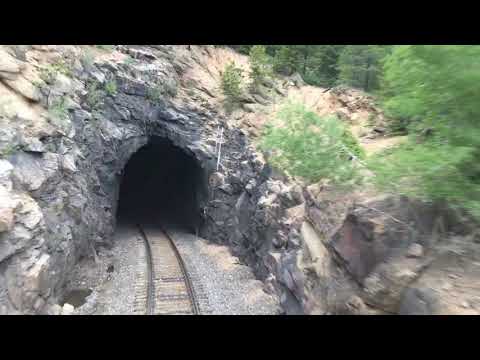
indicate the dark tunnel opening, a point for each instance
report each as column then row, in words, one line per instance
column 163, row 184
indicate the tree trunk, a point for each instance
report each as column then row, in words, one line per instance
column 367, row 76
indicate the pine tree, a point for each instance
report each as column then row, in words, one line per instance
column 231, row 84
column 436, row 89
column 312, row 147
column 360, row 66
column 284, row 61
column 260, row 65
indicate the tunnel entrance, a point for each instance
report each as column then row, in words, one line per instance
column 163, row 184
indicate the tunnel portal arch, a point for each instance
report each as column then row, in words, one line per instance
column 163, row 183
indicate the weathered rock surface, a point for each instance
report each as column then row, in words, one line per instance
column 59, row 181
column 320, row 251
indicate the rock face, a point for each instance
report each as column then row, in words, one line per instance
column 65, row 137
column 60, row 178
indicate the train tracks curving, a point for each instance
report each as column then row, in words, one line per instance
column 163, row 284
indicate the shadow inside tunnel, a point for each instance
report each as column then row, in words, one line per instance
column 162, row 184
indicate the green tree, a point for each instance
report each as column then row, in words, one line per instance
column 231, row 84
column 311, row 147
column 360, row 66
column 436, row 89
column 321, row 69
column 316, row 63
column 260, row 65
column 284, row 60
column 242, row 49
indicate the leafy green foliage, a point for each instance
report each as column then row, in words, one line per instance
column 260, row 65
column 231, row 84
column 435, row 89
column 312, row 147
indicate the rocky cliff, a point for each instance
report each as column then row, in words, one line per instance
column 72, row 116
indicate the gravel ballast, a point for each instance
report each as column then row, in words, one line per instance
column 222, row 285
column 112, row 278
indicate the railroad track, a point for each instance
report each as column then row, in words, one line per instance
column 163, row 285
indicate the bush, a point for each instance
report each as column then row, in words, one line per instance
column 231, row 83
column 58, row 110
column 87, row 58
column 111, row 87
column 154, row 93
column 49, row 73
column 306, row 145
column 94, row 95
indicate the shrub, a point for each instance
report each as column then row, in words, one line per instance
column 49, row 73
column 111, row 87
column 155, row 92
column 315, row 148
column 94, row 95
column 87, row 58
column 58, row 110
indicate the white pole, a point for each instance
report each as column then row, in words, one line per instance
column 219, row 148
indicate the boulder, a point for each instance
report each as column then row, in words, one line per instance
column 384, row 287
column 62, row 85
column 27, row 279
column 6, row 218
column 251, row 108
column 54, row 309
column 34, row 145
column 415, row 251
column 25, row 88
column 33, row 171
column 448, row 286
column 297, row 80
column 316, row 254
column 217, row 179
